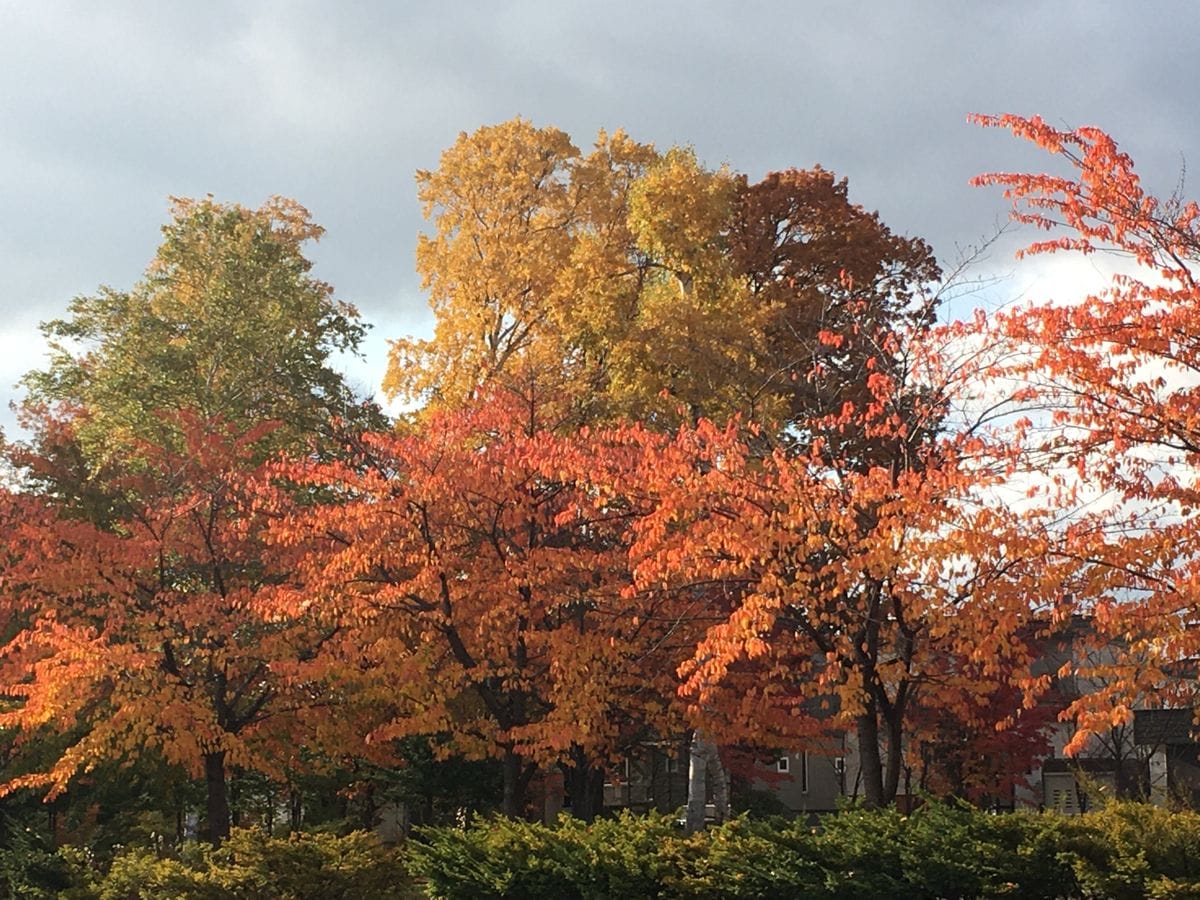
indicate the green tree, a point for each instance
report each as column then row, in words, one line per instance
column 137, row 534
column 227, row 323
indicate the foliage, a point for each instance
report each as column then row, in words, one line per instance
column 468, row 563
column 1111, row 380
column 523, row 222
column 939, row 851
column 957, row 750
column 1131, row 850
column 436, row 787
column 840, row 598
column 743, row 859
column 227, row 322
column 692, row 453
column 147, row 639
column 841, row 293
column 631, row 283
column 252, row 866
column 507, row 858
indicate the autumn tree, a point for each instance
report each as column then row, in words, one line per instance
column 144, row 637
column 1116, row 371
column 632, row 284
column 643, row 285
column 521, row 218
column 841, row 293
column 137, row 593
column 982, row 744
column 846, row 590
column 482, row 586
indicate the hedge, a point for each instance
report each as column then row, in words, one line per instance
column 943, row 850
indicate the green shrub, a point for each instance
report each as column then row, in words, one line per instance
column 252, row 866
column 745, row 859
column 508, row 858
column 942, row 851
column 625, row 854
column 860, row 850
column 1135, row 850
column 140, row 874
column 495, row 858
column 309, row 866
column 1029, row 856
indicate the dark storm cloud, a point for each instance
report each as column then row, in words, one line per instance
column 108, row 108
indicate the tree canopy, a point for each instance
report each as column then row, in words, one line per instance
column 685, row 452
column 227, row 322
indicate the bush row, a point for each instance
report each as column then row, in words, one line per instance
column 940, row 851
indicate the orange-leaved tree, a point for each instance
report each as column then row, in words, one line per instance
column 1116, row 372
column 632, row 284
column 854, row 591
column 481, row 587
column 145, row 634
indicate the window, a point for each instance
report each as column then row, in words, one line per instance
column 804, row 772
column 783, row 764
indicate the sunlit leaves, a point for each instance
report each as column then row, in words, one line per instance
column 485, row 585
column 1117, row 373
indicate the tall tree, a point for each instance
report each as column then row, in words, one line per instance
column 670, row 293
column 138, row 592
column 227, row 322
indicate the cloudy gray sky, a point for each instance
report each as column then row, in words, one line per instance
column 106, row 108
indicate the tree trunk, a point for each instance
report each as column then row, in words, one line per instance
column 697, row 786
column 218, row 797
column 516, row 785
column 295, row 809
column 894, row 759
column 585, row 786
column 870, row 763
